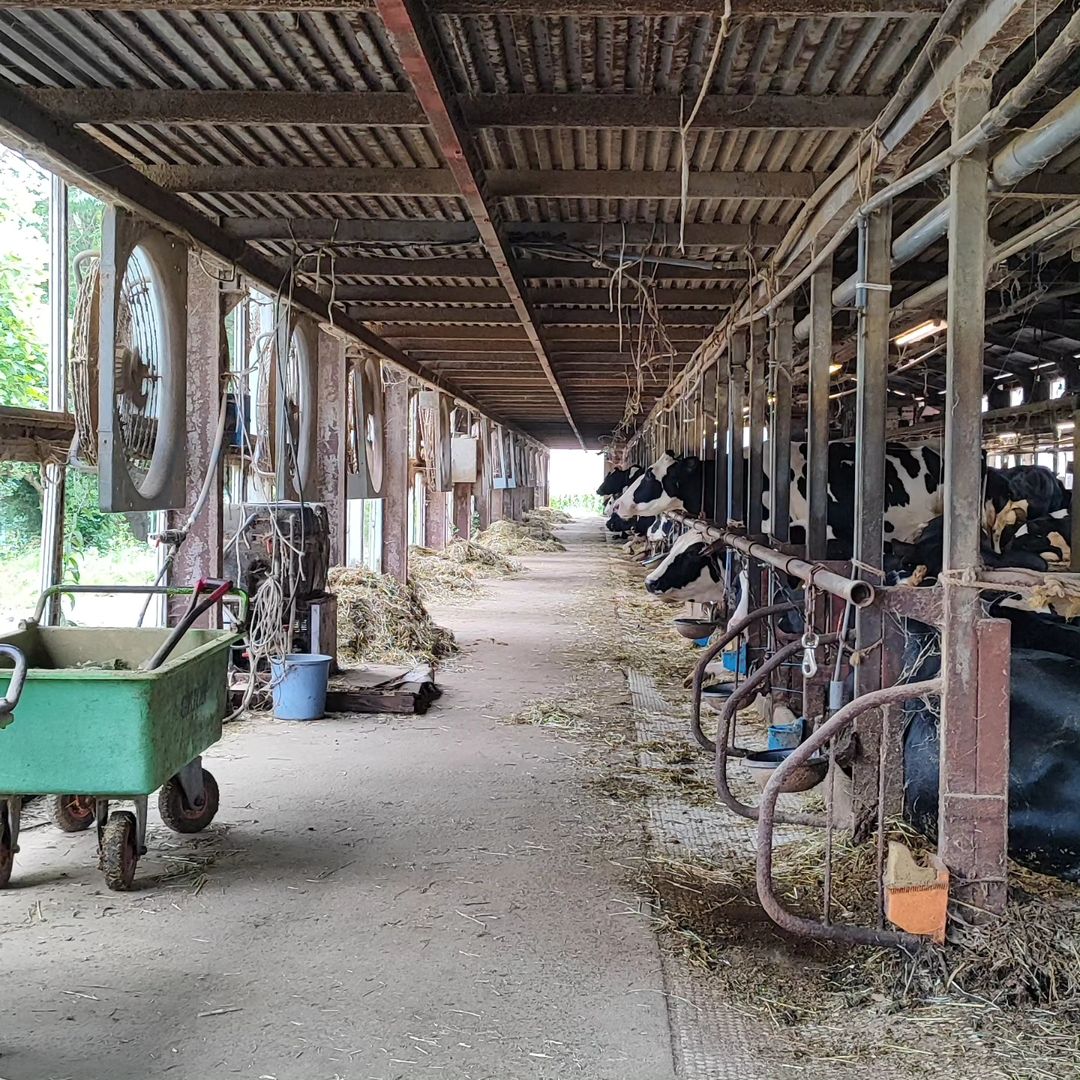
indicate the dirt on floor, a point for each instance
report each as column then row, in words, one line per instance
column 440, row 895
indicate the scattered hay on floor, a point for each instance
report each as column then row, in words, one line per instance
column 510, row 538
column 484, row 561
column 1000, row 999
column 381, row 621
column 560, row 714
column 548, row 515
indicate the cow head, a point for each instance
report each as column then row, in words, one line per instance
column 617, row 524
column 670, row 483
column 691, row 571
column 615, row 482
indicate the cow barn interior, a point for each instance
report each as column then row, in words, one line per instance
column 344, row 738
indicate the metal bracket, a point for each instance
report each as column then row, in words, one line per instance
column 190, row 778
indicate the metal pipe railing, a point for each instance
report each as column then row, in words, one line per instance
column 710, row 654
column 768, row 817
column 725, row 732
column 859, row 593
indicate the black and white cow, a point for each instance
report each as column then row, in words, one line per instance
column 912, row 489
column 1049, row 537
column 1021, row 493
column 670, row 483
column 1044, row 742
column 616, row 481
column 691, row 571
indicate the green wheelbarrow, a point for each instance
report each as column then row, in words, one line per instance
column 112, row 713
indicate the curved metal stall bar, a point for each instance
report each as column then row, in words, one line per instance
column 723, row 733
column 767, row 818
column 710, row 654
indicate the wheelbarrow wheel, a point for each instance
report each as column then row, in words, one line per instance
column 119, row 850
column 178, row 815
column 7, row 850
column 72, row 813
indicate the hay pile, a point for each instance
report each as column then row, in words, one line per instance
column 381, row 621
column 439, row 578
column 509, row 538
column 548, row 516
column 484, row 561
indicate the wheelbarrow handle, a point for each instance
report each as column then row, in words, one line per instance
column 218, row 589
column 18, row 678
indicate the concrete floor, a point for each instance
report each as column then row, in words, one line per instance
column 422, row 896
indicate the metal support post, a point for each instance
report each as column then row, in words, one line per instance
column 55, row 476
column 759, row 356
column 817, row 415
column 395, row 530
column 780, row 422
column 200, row 554
column 974, row 771
column 737, row 464
column 723, row 435
column 872, row 359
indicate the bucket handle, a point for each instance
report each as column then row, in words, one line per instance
column 18, row 679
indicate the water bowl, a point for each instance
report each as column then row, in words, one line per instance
column 809, row 774
column 696, row 629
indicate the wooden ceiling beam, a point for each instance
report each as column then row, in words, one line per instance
column 718, row 112
column 533, row 268
column 542, row 297
column 375, row 108
column 503, row 316
column 500, row 183
column 715, row 234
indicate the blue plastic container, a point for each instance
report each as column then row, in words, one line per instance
column 298, row 686
column 786, row 736
column 731, row 664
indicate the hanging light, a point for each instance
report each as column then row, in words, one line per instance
column 917, row 333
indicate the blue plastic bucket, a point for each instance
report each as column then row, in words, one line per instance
column 298, row 685
column 731, row 664
column 786, row 736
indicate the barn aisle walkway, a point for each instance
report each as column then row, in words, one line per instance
column 386, row 898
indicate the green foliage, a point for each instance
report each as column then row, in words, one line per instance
column 580, row 501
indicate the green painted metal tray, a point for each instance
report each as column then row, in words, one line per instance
column 90, row 723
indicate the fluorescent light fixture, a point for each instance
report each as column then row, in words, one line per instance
column 917, row 333
column 1065, row 425
column 1039, row 367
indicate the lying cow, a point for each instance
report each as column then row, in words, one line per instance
column 1022, row 493
column 1049, row 537
column 919, row 561
column 1044, row 742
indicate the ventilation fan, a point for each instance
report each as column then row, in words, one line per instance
column 285, row 407
column 437, row 449
column 364, row 443
column 142, row 366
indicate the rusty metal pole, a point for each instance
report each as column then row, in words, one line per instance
column 780, row 422
column 872, row 299
column 817, row 413
column 736, row 465
column 758, row 359
column 1074, row 496
column 484, row 473
column 395, row 525
column 200, row 555
column 974, row 777
column 331, row 429
column 723, row 435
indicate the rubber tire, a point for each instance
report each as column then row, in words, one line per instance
column 174, row 809
column 65, row 815
column 119, row 850
column 7, row 856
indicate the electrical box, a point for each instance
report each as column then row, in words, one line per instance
column 463, row 459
